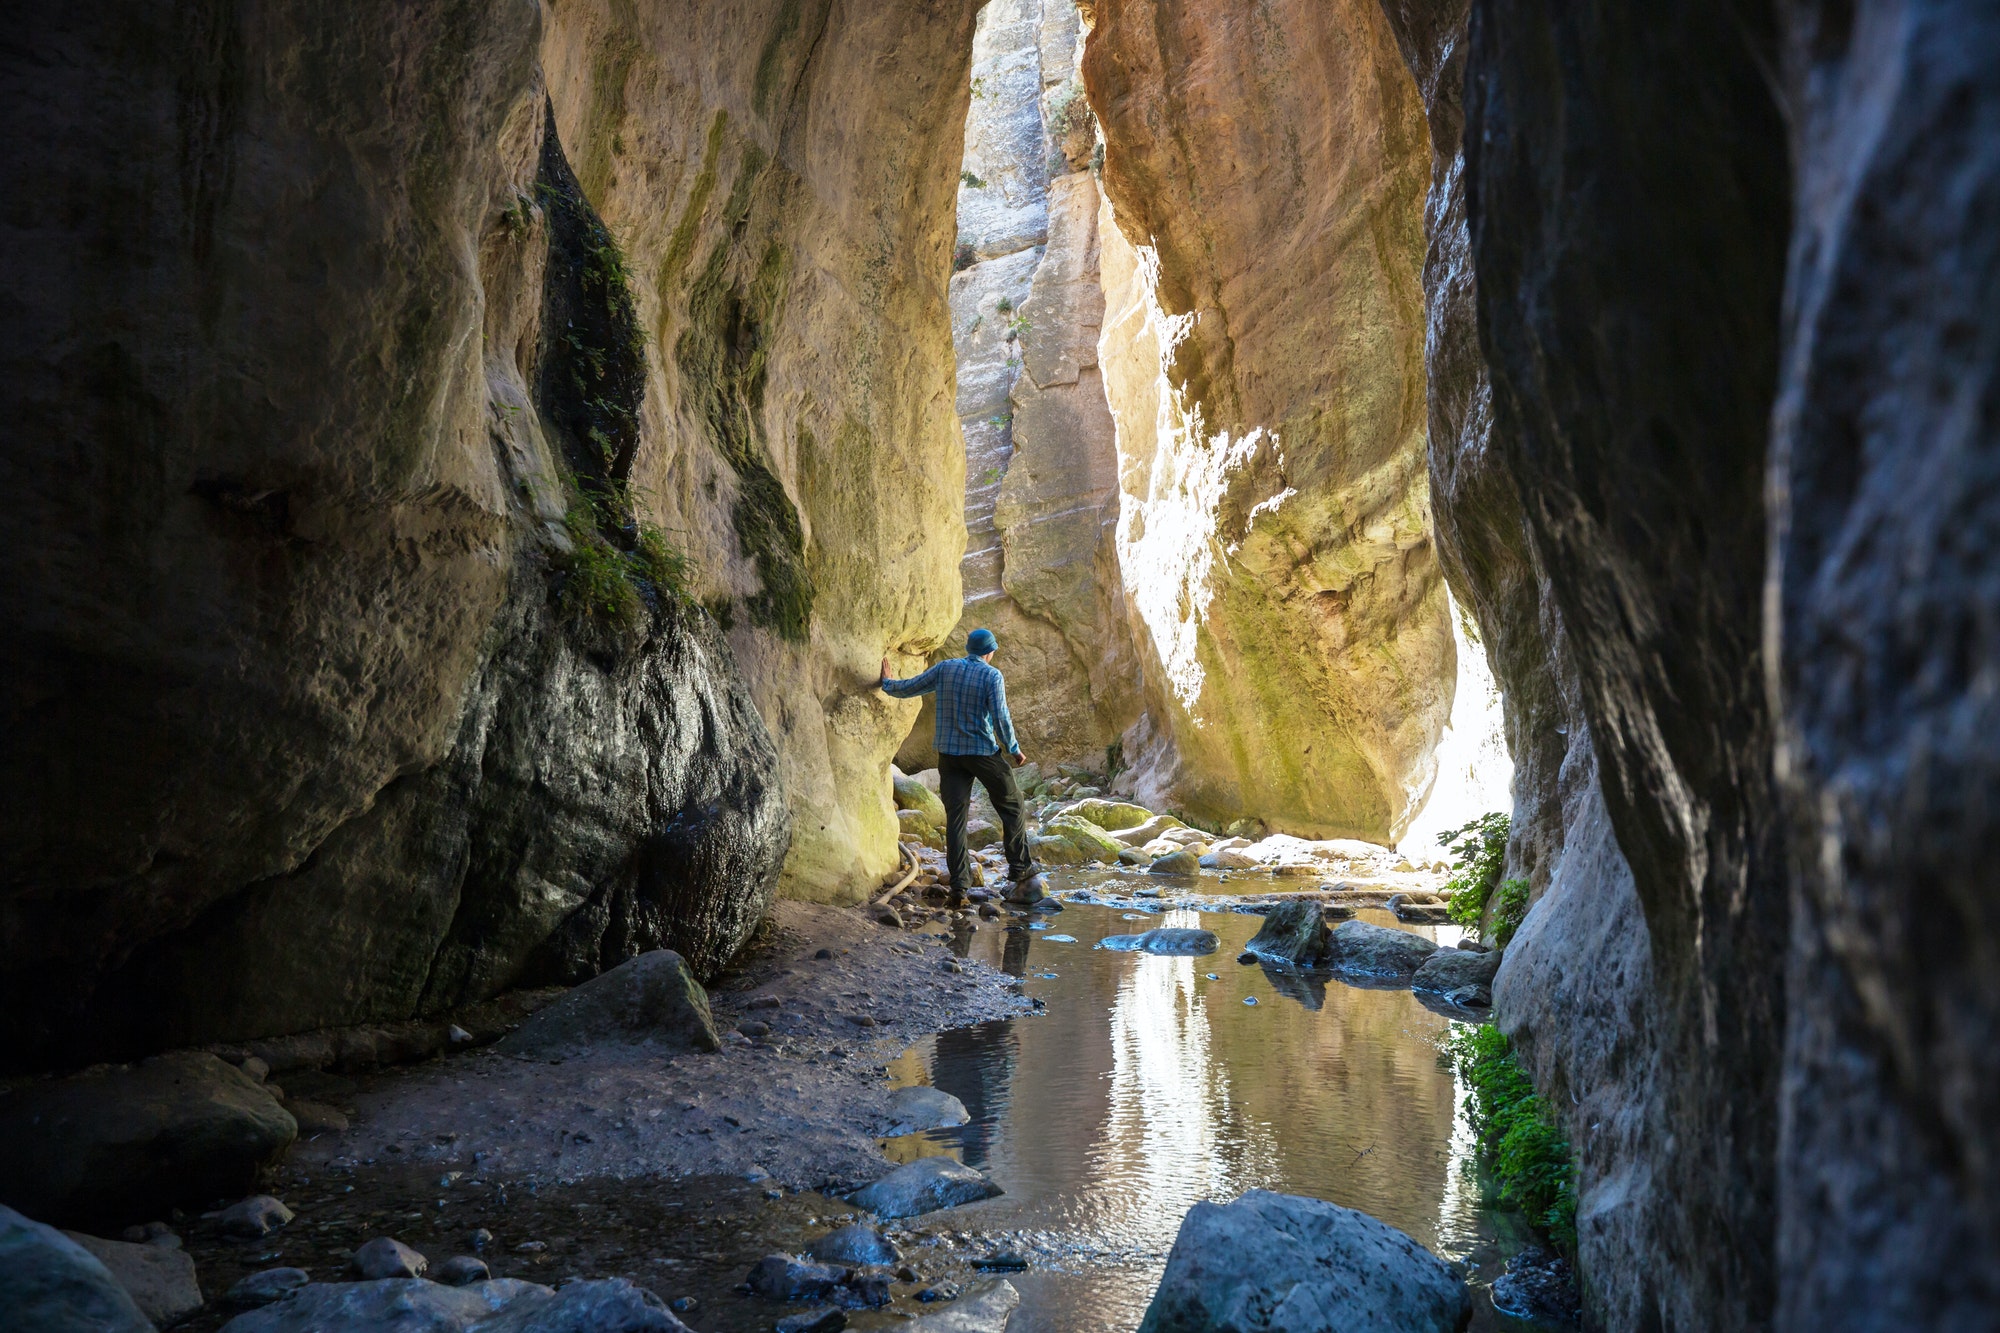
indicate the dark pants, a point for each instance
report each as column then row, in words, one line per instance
column 996, row 773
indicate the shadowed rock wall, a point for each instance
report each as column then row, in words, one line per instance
column 1265, row 170
column 1756, row 1147
column 308, row 719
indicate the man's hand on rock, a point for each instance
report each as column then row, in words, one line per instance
column 885, row 672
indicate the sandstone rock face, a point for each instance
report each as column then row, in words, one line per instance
column 303, row 696
column 1263, row 356
column 1041, row 496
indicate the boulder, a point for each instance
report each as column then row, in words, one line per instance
column 462, row 1270
column 780, row 1277
column 981, row 834
column 51, row 1284
column 1111, row 816
column 1293, row 932
column 1377, row 951
column 1057, row 851
column 912, row 794
column 984, row 1308
column 1422, row 914
column 1168, row 941
column 1180, row 862
column 607, row 1305
column 1230, row 858
column 1141, row 834
column 260, row 1289
column 160, row 1279
column 856, row 1243
column 122, row 1143
column 924, row 1186
column 918, row 827
column 829, row 1320
column 651, row 998
column 1277, row 1263
column 1028, row 892
column 914, row 1109
column 384, row 1257
column 1091, row 840
column 1452, row 969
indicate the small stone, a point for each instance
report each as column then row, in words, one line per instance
column 480, row 1239
column 887, row 916
column 316, row 1117
column 753, row 1029
column 531, row 1247
column 823, row 954
column 1005, row 1261
column 942, row 1291
column 258, row 1215
column 828, row 1320
column 255, row 1068
column 923, row 1186
column 273, row 1284
column 458, row 1036
column 868, row 1287
column 462, row 1269
column 683, row 1305
column 383, row 1257
column 780, row 1277
column 1249, row 999
column 764, row 1002
column 857, row 1243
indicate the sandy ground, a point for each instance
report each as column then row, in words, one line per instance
column 803, row 1103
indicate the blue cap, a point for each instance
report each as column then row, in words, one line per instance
column 980, row 642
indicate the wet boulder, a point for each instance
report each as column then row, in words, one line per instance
column 981, row 834
column 119, row 1143
column 651, row 998
column 386, row 1258
column 1141, row 834
column 915, row 1109
column 254, row 1217
column 924, row 1186
column 856, row 1243
column 1111, row 816
column 160, row 1279
column 1178, row 862
column 1168, row 941
column 780, row 1277
column 1277, row 1263
column 985, row 1308
column 917, row 826
column 1450, row 970
column 462, row 1270
column 1293, row 932
column 51, row 1284
column 1377, row 951
column 1230, row 858
column 606, row 1305
column 1057, row 851
column 261, row 1289
column 399, row 1305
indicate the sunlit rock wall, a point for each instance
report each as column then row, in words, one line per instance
column 298, row 731
column 1265, row 173
column 1040, row 566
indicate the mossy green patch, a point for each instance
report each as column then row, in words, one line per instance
column 1523, row 1148
column 1479, row 855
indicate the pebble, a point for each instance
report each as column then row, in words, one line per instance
column 480, row 1239
column 383, row 1257
column 259, row 1215
column 256, row 1068
column 1059, row 939
column 458, row 1036
column 823, row 954
column 1006, row 1261
column 753, row 1029
column 943, row 1291
column 531, row 1247
column 1211, row 976
column 683, row 1305
column 1249, row 999
column 762, row 1002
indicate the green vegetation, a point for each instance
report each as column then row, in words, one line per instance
column 1479, row 855
column 964, row 257
column 1524, row 1151
column 970, row 181
column 1510, row 905
column 1003, row 305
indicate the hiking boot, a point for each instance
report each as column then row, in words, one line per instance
column 1027, row 891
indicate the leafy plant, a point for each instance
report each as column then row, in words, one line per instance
column 1510, row 906
column 1520, row 1144
column 964, row 257
column 671, row 572
column 1479, row 856
column 1003, row 305
column 970, row 181
column 1016, row 327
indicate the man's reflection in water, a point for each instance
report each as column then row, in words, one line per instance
column 976, row 1065
column 1014, row 959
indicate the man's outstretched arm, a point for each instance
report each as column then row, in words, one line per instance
column 904, row 689
column 1003, row 724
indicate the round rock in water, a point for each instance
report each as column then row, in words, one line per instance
column 1168, row 941
column 857, row 1243
column 780, row 1277
column 924, row 1186
column 916, row 1109
column 1277, row 1263
column 1381, row 951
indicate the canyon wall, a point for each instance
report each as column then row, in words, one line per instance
column 1041, row 494
column 1765, row 1060
column 376, row 376
column 1265, row 173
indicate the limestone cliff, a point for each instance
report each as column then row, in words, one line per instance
column 387, row 385
column 1263, row 354
column 1041, row 566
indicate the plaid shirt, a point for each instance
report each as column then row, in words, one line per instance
column 972, row 715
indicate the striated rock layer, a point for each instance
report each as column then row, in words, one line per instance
column 1761, row 1143
column 1263, row 354
column 1041, row 561
column 345, row 677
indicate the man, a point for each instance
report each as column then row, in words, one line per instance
column 975, row 739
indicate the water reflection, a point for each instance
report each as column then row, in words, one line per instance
column 1149, row 1085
